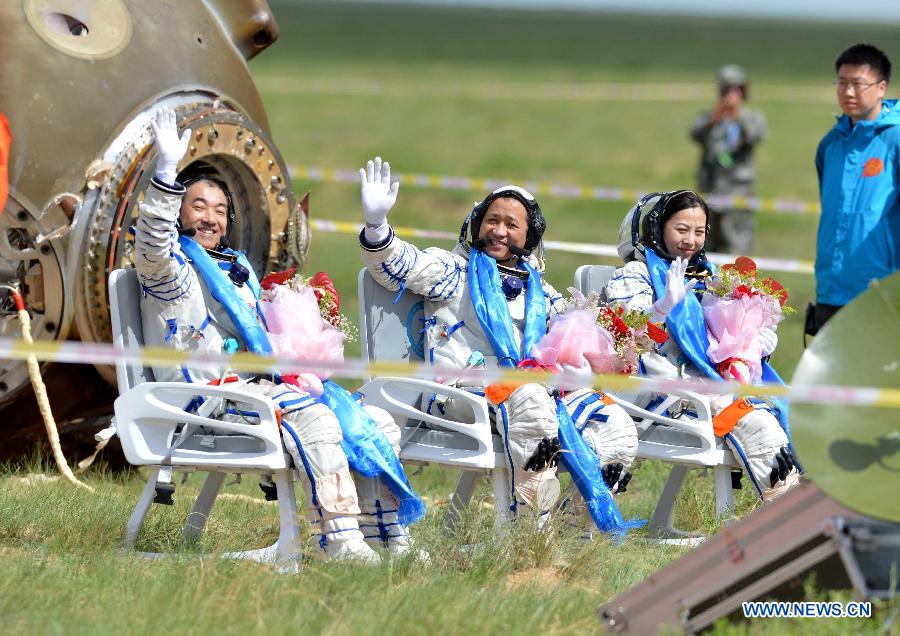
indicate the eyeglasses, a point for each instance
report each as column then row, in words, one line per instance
column 856, row 86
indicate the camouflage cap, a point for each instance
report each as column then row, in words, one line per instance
column 732, row 75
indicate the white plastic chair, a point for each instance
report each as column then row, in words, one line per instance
column 684, row 442
column 388, row 331
column 156, row 431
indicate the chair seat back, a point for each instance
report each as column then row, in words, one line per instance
column 127, row 329
column 390, row 329
column 390, row 326
column 593, row 278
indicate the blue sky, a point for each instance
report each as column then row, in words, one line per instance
column 880, row 11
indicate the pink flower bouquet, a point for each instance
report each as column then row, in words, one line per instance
column 609, row 339
column 303, row 319
column 737, row 305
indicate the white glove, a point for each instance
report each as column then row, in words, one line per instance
column 676, row 289
column 579, row 377
column 768, row 340
column 169, row 146
column 378, row 197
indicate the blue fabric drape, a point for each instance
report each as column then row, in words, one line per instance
column 491, row 307
column 584, row 466
column 222, row 289
column 369, row 451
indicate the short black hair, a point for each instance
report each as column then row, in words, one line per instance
column 210, row 180
column 860, row 54
column 202, row 171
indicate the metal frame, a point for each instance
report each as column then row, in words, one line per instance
column 775, row 544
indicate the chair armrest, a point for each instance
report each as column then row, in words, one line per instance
column 701, row 427
column 148, row 414
column 700, row 402
column 386, row 393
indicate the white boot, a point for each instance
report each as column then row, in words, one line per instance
column 403, row 545
column 338, row 535
column 379, row 521
column 341, row 540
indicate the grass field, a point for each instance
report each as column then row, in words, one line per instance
column 517, row 96
column 61, row 570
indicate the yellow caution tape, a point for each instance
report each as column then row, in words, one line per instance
column 104, row 353
column 566, row 191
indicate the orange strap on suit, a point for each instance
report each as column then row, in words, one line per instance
column 497, row 392
column 728, row 417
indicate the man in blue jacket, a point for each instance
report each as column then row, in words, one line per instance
column 858, row 167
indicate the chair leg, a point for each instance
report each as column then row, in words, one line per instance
column 724, row 494
column 196, row 520
column 502, row 499
column 465, row 487
column 140, row 510
column 661, row 522
column 289, row 526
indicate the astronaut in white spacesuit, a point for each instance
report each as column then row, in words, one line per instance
column 487, row 301
column 200, row 296
column 661, row 240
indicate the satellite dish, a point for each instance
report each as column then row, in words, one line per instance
column 853, row 452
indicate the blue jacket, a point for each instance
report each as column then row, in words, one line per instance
column 859, row 229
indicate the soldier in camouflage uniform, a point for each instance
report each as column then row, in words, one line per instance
column 728, row 134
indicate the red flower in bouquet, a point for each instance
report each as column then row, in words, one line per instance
column 324, row 289
column 778, row 290
column 735, row 369
column 745, row 265
column 328, row 297
column 742, row 290
column 612, row 320
column 633, row 334
column 741, row 279
column 277, row 278
column 659, row 336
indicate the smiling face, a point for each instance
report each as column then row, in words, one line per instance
column 684, row 233
column 860, row 90
column 505, row 223
column 205, row 208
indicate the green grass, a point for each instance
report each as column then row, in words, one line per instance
column 61, row 570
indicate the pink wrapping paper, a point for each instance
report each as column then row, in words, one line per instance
column 574, row 337
column 297, row 328
column 732, row 325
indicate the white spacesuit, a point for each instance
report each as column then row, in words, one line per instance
column 757, row 439
column 180, row 309
column 455, row 336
